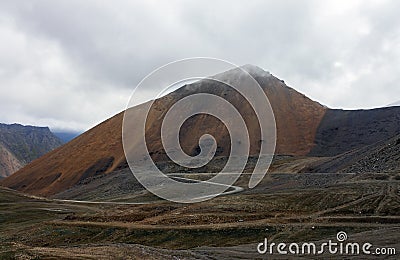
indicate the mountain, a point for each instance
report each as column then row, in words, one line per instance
column 305, row 128
column 99, row 150
column 65, row 137
column 19, row 145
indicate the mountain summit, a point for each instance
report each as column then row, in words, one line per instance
column 256, row 71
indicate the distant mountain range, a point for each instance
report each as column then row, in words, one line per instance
column 20, row 145
column 305, row 129
column 65, row 137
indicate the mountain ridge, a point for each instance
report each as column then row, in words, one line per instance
column 19, row 145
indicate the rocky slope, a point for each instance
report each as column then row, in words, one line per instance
column 19, row 145
column 341, row 131
column 380, row 157
column 8, row 162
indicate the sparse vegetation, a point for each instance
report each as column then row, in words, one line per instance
column 284, row 207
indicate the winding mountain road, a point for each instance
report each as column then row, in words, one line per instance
column 234, row 189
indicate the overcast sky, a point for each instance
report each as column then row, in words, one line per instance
column 72, row 64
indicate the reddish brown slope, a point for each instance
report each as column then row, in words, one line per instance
column 96, row 151
column 100, row 151
column 297, row 118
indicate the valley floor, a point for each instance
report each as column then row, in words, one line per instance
column 283, row 208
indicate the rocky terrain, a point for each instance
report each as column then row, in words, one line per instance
column 380, row 157
column 342, row 131
column 122, row 185
column 19, row 145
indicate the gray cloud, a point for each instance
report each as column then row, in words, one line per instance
column 72, row 64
